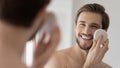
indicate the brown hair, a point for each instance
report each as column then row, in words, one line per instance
column 96, row 8
column 21, row 12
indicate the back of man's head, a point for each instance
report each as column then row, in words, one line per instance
column 21, row 12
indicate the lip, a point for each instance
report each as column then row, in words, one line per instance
column 86, row 39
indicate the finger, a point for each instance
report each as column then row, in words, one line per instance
column 54, row 41
column 105, row 47
column 55, row 30
column 99, row 41
column 34, row 44
column 55, row 38
column 42, row 38
column 49, row 50
column 94, row 44
column 55, row 35
column 46, row 46
column 40, row 46
column 51, row 44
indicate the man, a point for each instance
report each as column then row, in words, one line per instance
column 87, row 53
column 19, row 22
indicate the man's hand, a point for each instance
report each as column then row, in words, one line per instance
column 44, row 50
column 96, row 53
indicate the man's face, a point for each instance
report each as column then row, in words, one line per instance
column 86, row 25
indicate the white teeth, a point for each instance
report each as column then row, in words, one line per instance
column 85, row 37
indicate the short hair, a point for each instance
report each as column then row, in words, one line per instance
column 21, row 12
column 95, row 8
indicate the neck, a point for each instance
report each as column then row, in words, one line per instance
column 79, row 53
column 12, row 41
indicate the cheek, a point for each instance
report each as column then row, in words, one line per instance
column 77, row 31
column 93, row 31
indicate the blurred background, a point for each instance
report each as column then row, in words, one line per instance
column 65, row 11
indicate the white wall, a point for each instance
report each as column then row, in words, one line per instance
column 63, row 11
column 112, row 7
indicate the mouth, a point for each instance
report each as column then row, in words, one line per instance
column 86, row 38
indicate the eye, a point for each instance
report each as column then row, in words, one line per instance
column 94, row 27
column 82, row 25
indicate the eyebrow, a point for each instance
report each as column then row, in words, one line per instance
column 98, row 25
column 82, row 21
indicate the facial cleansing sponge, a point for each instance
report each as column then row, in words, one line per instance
column 100, row 32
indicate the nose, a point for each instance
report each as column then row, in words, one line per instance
column 87, row 31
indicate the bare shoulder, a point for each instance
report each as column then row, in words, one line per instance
column 64, row 51
column 105, row 65
column 61, row 55
column 58, row 59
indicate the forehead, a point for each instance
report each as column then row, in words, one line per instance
column 90, row 17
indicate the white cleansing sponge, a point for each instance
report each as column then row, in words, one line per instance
column 100, row 32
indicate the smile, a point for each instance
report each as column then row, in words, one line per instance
column 87, row 38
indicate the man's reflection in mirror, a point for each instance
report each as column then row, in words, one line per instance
column 86, row 53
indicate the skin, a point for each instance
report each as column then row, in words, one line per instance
column 13, row 40
column 87, row 53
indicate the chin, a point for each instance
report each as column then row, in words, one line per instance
column 85, row 45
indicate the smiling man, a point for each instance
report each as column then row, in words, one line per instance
column 87, row 53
